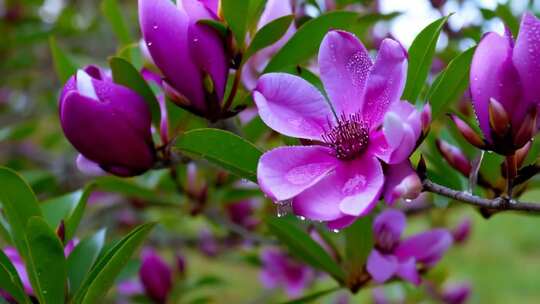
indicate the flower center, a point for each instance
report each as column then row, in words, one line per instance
column 349, row 137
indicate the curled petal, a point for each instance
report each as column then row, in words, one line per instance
column 291, row 106
column 353, row 188
column 386, row 81
column 345, row 64
column 387, row 228
column 407, row 271
column 285, row 172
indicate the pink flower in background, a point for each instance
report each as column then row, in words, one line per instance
column 156, row 276
column 462, row 232
column 243, row 213
column 457, row 293
column 340, row 176
column 393, row 257
column 281, row 271
column 273, row 10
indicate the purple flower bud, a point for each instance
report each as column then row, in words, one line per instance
column 387, row 229
column 461, row 233
column 181, row 265
column 207, row 243
column 186, row 52
column 468, row 133
column 108, row 124
column 425, row 117
column 156, row 276
column 454, row 157
column 456, row 294
column 241, row 213
column 503, row 70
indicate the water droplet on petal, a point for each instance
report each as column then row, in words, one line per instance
column 354, row 185
column 335, row 230
column 301, row 218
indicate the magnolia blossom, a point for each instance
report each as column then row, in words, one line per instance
column 395, row 257
column 273, row 10
column 504, row 87
column 281, row 271
column 190, row 55
column 339, row 175
column 156, row 276
column 109, row 124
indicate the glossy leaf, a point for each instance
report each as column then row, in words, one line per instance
column 46, row 263
column 69, row 207
column 109, row 265
column 111, row 10
column 450, row 83
column 358, row 244
column 19, row 204
column 83, row 257
column 125, row 74
column 421, row 55
column 268, row 35
column 304, row 247
column 63, row 65
column 10, row 281
column 224, row 149
column 235, row 12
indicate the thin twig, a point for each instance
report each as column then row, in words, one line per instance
column 500, row 204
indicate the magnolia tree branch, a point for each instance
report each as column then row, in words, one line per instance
column 498, row 204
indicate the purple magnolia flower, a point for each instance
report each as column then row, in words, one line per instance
column 109, row 124
column 456, row 293
column 281, row 271
column 504, row 87
column 155, row 276
column 394, row 257
column 274, row 9
column 340, row 176
column 190, row 55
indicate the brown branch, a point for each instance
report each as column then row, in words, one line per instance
column 498, row 204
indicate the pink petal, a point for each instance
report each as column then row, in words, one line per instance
column 285, row 172
column 387, row 228
column 526, row 59
column 386, row 81
column 407, row 270
column 89, row 167
column 351, row 189
column 341, row 222
column 493, row 75
column 292, row 106
column 344, row 64
column 401, row 181
column 381, row 267
column 427, row 247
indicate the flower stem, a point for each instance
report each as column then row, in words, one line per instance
column 511, row 172
column 234, row 90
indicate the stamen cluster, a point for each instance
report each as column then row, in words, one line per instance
column 349, row 137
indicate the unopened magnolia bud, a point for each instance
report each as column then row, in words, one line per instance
column 527, row 130
column 426, row 118
column 468, row 133
column 462, row 231
column 454, row 156
column 498, row 118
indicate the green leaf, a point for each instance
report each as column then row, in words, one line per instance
column 304, row 247
column 256, row 8
column 504, row 12
column 69, row 207
column 235, row 12
column 10, row 281
column 450, row 83
column 216, row 26
column 421, row 55
column 102, row 275
column 125, row 74
column 305, row 42
column 83, row 257
column 358, row 244
column 224, row 149
column 46, row 263
column 268, row 35
column 63, row 65
column 314, row 296
column 19, row 205
column 111, row 10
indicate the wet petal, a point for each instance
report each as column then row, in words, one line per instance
column 351, row 189
column 291, row 106
column 341, row 222
column 285, row 172
column 401, row 182
column 381, row 267
column 344, row 64
column 386, row 81
column 165, row 31
column 493, row 75
column 427, row 247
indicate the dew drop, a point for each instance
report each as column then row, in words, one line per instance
column 354, row 184
column 301, row 218
column 149, row 44
column 155, row 27
column 283, row 208
column 408, row 200
column 335, row 230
